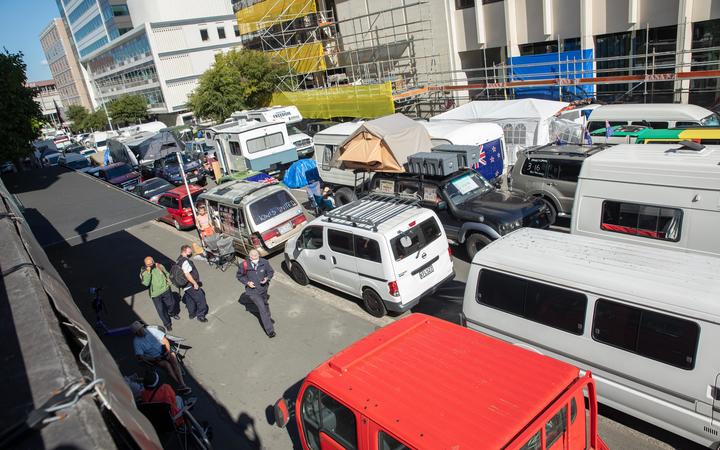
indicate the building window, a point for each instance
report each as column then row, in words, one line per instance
column 204, row 35
column 236, row 29
column 641, row 220
column 119, row 10
column 463, row 4
column 221, row 32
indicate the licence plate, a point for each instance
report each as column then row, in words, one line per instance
column 192, row 180
column 284, row 228
column 426, row 271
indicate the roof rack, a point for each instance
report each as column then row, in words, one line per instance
column 554, row 149
column 366, row 213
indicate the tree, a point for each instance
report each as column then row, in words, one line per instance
column 19, row 113
column 77, row 114
column 128, row 109
column 238, row 79
column 95, row 121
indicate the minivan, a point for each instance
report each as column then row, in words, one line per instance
column 665, row 195
column 425, row 383
column 653, row 115
column 644, row 320
column 260, row 216
column 387, row 251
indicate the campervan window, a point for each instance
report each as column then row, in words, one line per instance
column 649, row 221
column 271, row 206
column 656, row 125
column 597, row 124
column 235, row 148
column 661, row 337
column 328, row 153
column 549, row 305
column 265, row 142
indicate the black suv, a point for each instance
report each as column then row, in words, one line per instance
column 168, row 168
column 472, row 211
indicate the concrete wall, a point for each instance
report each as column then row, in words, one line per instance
column 170, row 10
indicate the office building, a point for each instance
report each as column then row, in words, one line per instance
column 94, row 23
column 48, row 97
column 60, row 56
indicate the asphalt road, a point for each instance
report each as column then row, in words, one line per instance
column 236, row 372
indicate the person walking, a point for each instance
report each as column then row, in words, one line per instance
column 194, row 295
column 255, row 273
column 154, row 276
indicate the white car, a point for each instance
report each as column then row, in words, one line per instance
column 383, row 249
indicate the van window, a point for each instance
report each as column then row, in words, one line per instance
column 535, row 167
column 564, row 170
column 555, row 427
column 661, row 337
column 320, row 412
column 235, row 148
column 653, row 222
column 549, row 305
column 598, row 124
column 420, row 235
column 534, row 443
column 186, row 199
column 167, row 201
column 312, row 238
column 686, row 124
column 387, row 442
column 656, row 125
column 271, row 206
column 368, row 249
column 340, row 242
column 328, row 152
column 261, row 143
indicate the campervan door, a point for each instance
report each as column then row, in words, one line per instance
column 327, row 143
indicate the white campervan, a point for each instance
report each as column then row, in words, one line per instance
column 383, row 249
column 288, row 115
column 653, row 115
column 259, row 146
column 327, row 143
column 664, row 195
column 644, row 320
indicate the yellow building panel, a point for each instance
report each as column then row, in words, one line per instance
column 367, row 101
column 304, row 58
column 270, row 12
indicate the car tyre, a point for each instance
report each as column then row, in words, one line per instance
column 373, row 303
column 344, row 195
column 552, row 216
column 177, row 225
column 298, row 274
column 474, row 243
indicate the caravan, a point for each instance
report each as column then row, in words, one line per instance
column 288, row 115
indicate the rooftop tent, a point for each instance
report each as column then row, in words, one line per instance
column 383, row 145
column 162, row 144
column 525, row 122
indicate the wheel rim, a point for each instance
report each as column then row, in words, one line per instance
column 373, row 303
column 177, row 225
column 551, row 210
column 298, row 273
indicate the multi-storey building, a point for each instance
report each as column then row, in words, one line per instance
column 60, row 55
column 47, row 96
column 94, row 23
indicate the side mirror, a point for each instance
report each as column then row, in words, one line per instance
column 442, row 206
column 282, row 414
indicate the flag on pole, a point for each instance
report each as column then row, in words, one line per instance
column 57, row 111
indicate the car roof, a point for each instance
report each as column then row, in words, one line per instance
column 656, row 164
column 650, row 112
column 379, row 213
column 434, row 384
column 341, row 129
column 439, row 179
column 668, row 279
column 182, row 192
column 240, row 191
column 574, row 150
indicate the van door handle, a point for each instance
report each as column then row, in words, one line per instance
column 550, row 183
column 334, row 260
column 322, row 257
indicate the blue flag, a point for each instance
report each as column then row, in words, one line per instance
column 608, row 129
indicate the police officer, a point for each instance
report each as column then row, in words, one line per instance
column 194, row 295
column 255, row 273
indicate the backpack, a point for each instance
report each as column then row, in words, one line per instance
column 177, row 276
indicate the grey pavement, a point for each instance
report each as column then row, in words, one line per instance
column 236, row 371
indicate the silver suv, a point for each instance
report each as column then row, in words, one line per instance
column 550, row 172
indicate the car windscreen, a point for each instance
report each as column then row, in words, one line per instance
column 271, row 206
column 118, row 171
column 186, row 199
column 415, row 239
column 465, row 187
column 156, row 186
column 710, row 121
column 78, row 163
column 172, row 161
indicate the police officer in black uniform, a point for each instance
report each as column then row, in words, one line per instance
column 255, row 273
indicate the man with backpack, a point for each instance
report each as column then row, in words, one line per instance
column 185, row 275
column 154, row 276
column 255, row 273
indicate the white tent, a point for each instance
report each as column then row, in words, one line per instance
column 525, row 122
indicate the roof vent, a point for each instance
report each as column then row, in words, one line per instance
column 687, row 145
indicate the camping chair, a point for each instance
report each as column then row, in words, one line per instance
column 189, row 434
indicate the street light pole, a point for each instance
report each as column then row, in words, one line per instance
column 187, row 189
column 102, row 100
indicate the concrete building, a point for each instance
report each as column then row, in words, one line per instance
column 94, row 23
column 60, row 55
column 48, row 97
column 172, row 43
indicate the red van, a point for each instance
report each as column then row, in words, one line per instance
column 424, row 383
column 177, row 205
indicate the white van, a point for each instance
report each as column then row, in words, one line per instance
column 659, row 195
column 288, row 115
column 654, row 115
column 327, row 143
column 243, row 145
column 383, row 249
column 645, row 321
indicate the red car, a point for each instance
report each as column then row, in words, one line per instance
column 177, row 204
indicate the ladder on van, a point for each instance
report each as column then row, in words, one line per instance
column 372, row 210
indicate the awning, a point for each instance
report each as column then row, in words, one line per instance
column 67, row 207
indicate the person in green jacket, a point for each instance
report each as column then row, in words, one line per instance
column 157, row 279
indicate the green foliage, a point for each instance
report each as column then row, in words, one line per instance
column 239, row 79
column 96, row 121
column 128, row 109
column 19, row 113
column 77, row 114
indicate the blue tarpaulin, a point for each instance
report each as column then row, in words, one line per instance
column 301, row 173
column 569, row 65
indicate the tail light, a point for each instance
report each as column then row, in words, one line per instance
column 394, row 291
column 255, row 241
column 186, row 212
column 270, row 234
column 297, row 220
column 450, row 252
